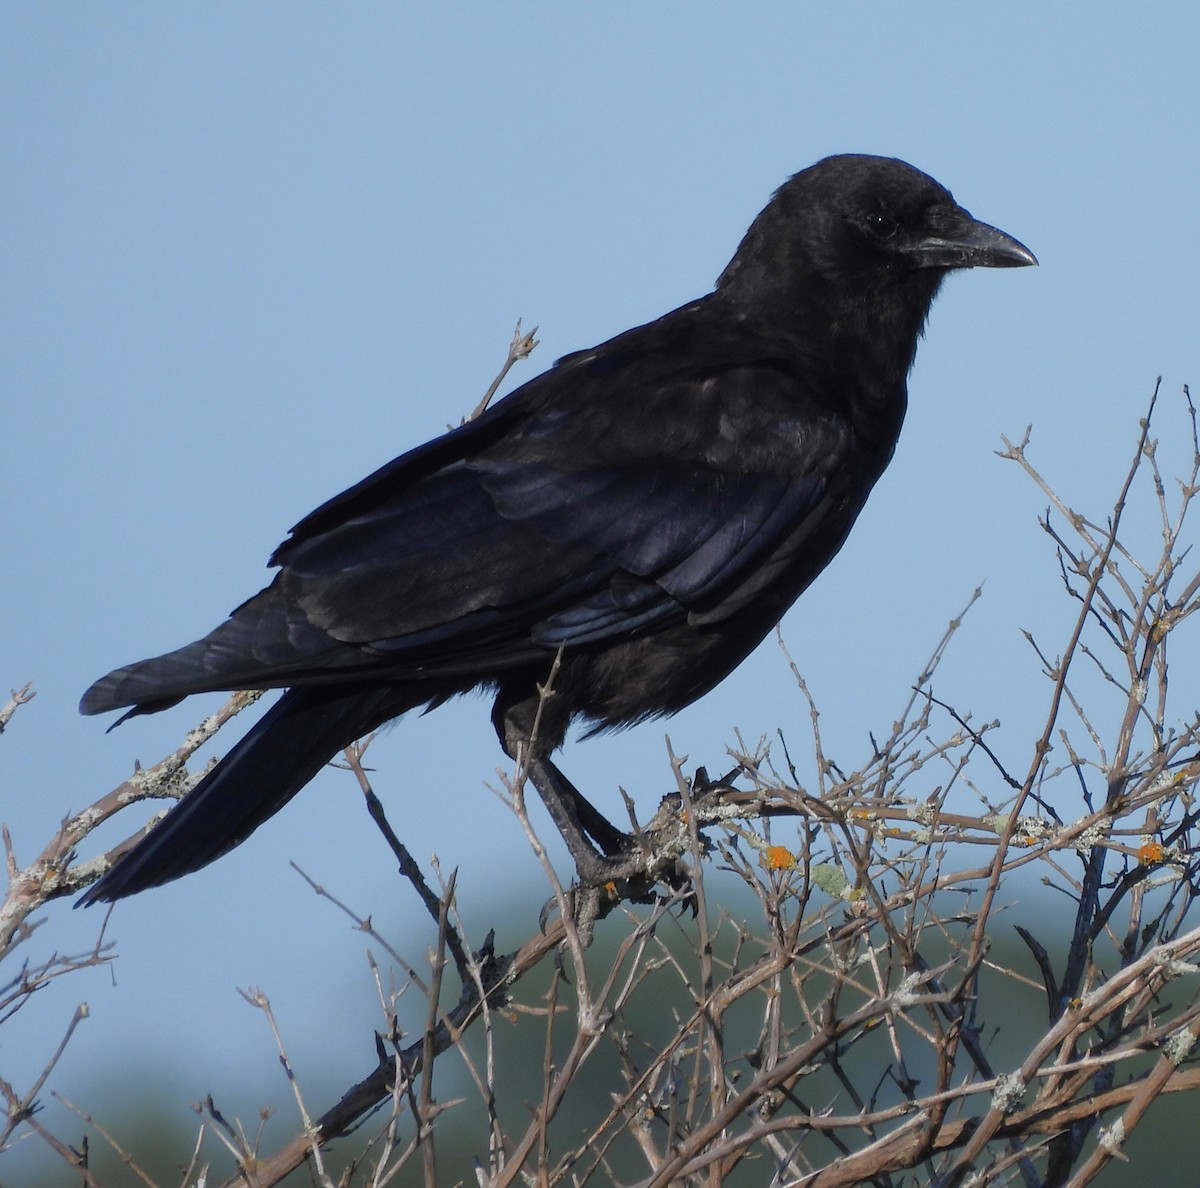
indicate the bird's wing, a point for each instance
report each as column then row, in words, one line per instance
column 624, row 490
column 670, row 534
column 623, row 503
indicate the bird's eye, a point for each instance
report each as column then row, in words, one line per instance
column 881, row 224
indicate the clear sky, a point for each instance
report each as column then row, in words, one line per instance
column 251, row 252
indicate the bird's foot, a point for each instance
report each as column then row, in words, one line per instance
column 637, row 872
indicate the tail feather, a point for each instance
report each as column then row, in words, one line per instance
column 297, row 737
column 258, row 647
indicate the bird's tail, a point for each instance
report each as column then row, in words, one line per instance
column 257, row 647
column 293, row 741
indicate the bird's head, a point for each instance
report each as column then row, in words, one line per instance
column 853, row 232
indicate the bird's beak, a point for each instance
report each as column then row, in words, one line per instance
column 959, row 241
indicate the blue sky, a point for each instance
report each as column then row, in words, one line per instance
column 252, row 252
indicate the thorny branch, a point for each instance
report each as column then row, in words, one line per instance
column 839, row 1033
column 520, row 348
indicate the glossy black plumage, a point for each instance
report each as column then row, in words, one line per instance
column 651, row 506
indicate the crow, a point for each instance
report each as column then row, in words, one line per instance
column 637, row 518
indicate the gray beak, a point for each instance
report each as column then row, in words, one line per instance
column 956, row 240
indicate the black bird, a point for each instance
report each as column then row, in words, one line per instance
column 645, row 511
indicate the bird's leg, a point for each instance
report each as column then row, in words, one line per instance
column 579, row 822
column 627, row 869
column 530, row 726
column 611, row 864
column 613, row 842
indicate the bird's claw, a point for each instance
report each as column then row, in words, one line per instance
column 636, row 875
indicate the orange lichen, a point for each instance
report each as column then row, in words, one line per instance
column 780, row 858
column 1150, row 852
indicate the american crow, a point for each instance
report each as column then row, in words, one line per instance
column 645, row 510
